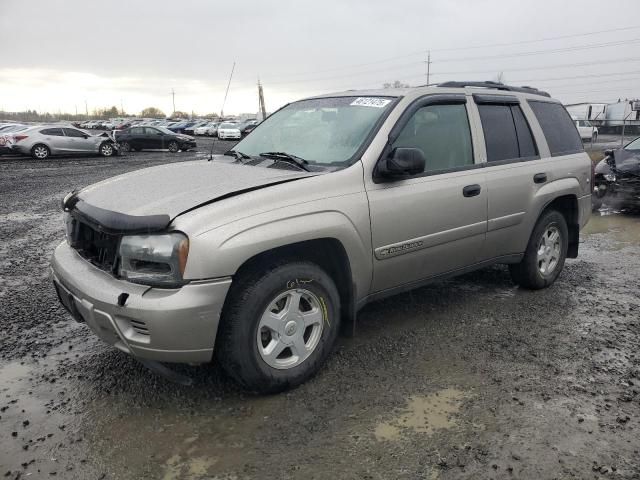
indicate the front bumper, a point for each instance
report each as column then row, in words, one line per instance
column 177, row 325
column 188, row 144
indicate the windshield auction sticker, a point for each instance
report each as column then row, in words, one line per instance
column 375, row 102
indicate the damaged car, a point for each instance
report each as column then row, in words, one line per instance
column 258, row 258
column 43, row 141
column 617, row 178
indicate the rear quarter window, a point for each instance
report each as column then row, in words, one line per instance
column 558, row 128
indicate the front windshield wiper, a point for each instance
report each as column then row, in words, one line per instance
column 287, row 157
column 237, row 155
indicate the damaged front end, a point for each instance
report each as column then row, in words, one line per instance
column 617, row 179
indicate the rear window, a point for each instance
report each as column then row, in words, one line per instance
column 506, row 133
column 558, row 128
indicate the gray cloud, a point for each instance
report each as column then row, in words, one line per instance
column 303, row 47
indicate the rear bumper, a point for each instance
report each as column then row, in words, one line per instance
column 176, row 325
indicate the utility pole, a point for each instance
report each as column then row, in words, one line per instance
column 86, row 109
column 121, row 108
column 263, row 110
column 227, row 91
column 428, row 65
column 173, row 96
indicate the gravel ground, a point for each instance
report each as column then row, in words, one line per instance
column 467, row 378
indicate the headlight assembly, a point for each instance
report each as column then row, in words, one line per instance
column 610, row 177
column 154, row 260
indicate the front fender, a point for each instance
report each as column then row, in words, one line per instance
column 232, row 245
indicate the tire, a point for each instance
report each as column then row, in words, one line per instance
column 106, row 149
column 173, row 146
column 244, row 339
column 594, row 138
column 530, row 272
column 40, row 151
column 125, row 147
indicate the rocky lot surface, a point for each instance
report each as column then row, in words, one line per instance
column 464, row 379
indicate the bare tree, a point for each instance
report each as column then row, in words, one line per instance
column 395, row 84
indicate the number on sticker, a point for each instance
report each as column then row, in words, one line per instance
column 375, row 102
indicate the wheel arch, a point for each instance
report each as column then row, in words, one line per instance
column 567, row 205
column 330, row 255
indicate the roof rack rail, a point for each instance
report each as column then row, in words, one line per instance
column 496, row 85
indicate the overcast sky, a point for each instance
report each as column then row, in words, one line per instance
column 55, row 54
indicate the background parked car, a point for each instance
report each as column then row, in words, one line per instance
column 43, row 141
column 180, row 126
column 210, row 129
column 586, row 130
column 140, row 138
column 190, row 130
column 228, row 130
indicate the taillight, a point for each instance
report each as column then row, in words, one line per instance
column 17, row 138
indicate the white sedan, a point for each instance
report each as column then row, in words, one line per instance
column 208, row 129
column 229, row 131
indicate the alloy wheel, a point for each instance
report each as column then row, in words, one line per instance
column 290, row 328
column 549, row 248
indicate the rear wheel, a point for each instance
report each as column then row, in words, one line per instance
column 40, row 151
column 106, row 149
column 173, row 146
column 545, row 255
column 279, row 325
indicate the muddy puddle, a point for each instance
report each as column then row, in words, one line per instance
column 622, row 229
column 423, row 414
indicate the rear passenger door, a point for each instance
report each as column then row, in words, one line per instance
column 55, row 140
column 512, row 163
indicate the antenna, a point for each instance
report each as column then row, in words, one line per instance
column 227, row 91
column 222, row 109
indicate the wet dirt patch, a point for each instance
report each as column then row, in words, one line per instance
column 423, row 414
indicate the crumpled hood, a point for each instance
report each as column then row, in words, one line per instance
column 172, row 189
column 627, row 161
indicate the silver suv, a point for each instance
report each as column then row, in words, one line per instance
column 261, row 255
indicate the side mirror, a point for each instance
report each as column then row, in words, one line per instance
column 608, row 153
column 402, row 162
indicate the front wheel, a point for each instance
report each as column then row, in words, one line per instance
column 545, row 255
column 106, row 149
column 125, row 147
column 279, row 325
column 173, row 147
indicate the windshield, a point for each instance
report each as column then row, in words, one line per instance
column 228, row 125
column 635, row 145
column 322, row 131
column 584, row 123
column 164, row 130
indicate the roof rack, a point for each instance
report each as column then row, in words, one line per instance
column 496, row 85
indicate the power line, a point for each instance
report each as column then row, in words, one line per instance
column 471, row 47
column 413, row 64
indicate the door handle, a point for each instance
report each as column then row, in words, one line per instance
column 471, row 190
column 540, row 178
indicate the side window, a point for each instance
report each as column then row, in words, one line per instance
column 71, row 132
column 151, row 131
column 137, row 131
column 56, row 132
column 558, row 128
column 442, row 133
column 507, row 135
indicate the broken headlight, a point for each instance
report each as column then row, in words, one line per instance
column 610, row 177
column 154, row 260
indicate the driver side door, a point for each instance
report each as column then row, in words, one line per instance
column 433, row 222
